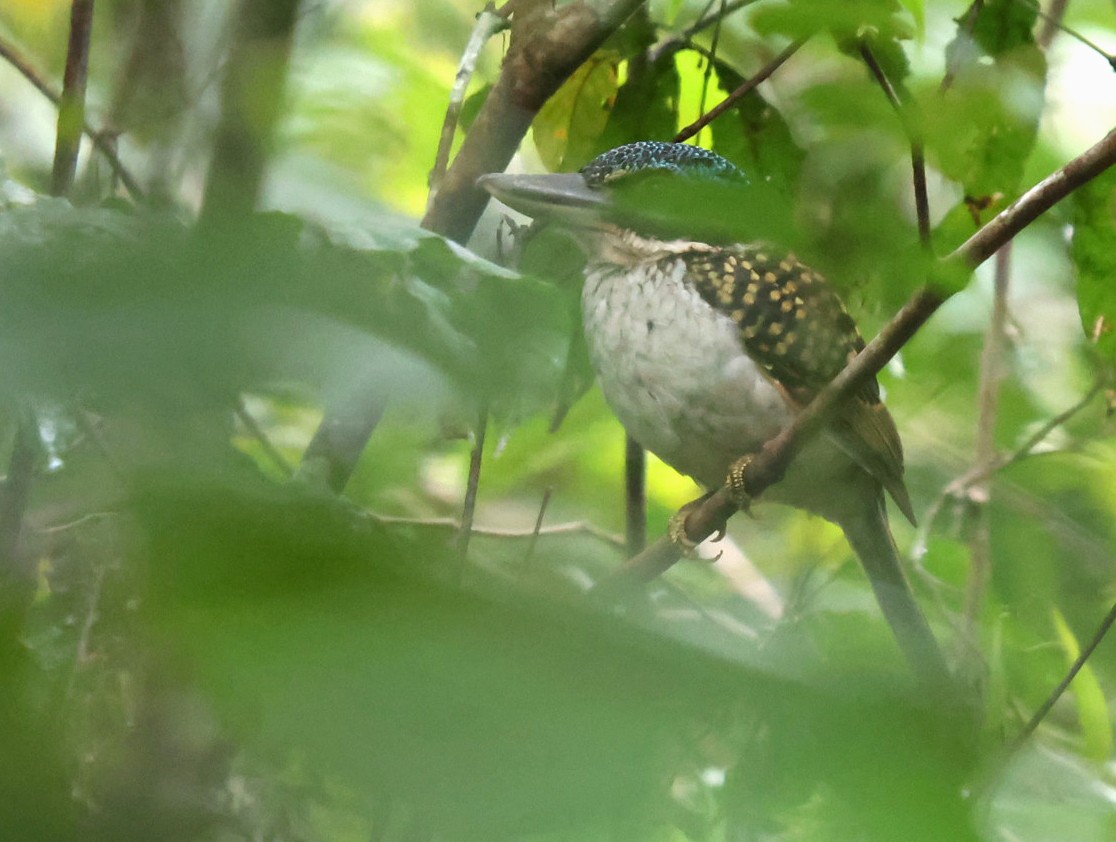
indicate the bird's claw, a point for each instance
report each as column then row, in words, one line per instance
column 676, row 530
column 736, row 483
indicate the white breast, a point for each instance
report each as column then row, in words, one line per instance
column 674, row 370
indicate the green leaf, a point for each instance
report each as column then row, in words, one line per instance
column 1092, row 707
column 1003, row 25
column 646, row 106
column 847, row 20
column 135, row 305
column 1094, row 232
column 982, row 131
column 755, row 136
column 567, row 129
column 471, row 107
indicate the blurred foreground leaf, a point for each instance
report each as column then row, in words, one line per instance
column 133, row 307
column 493, row 712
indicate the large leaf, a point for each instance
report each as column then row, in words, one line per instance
column 132, row 305
column 496, row 713
column 981, row 131
column 755, row 136
column 567, row 129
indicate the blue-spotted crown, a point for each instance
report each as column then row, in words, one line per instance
column 650, row 156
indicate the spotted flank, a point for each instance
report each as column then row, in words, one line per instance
column 650, row 156
column 791, row 321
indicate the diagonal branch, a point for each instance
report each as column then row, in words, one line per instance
column 741, row 92
column 771, row 462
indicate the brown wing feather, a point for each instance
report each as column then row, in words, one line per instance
column 795, row 325
column 866, row 431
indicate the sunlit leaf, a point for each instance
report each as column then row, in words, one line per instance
column 803, row 18
column 568, row 128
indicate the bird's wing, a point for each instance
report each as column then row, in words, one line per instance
column 795, row 326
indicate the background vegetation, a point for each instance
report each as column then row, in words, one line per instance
column 249, row 368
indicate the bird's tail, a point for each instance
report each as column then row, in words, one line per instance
column 870, row 536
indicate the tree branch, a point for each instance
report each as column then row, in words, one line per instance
column 469, row 506
column 489, row 22
column 548, row 43
column 71, row 108
column 772, row 460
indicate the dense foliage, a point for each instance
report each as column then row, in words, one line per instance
column 200, row 638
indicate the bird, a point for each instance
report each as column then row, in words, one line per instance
column 706, row 345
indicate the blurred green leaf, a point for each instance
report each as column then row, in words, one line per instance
column 1003, row 25
column 495, row 712
column 130, row 304
column 803, row 18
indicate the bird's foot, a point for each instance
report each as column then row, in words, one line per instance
column 736, row 483
column 676, row 529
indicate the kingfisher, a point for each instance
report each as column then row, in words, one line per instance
column 706, row 345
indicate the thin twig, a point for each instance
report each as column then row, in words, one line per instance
column 1046, row 429
column 704, row 21
column 71, row 108
column 991, row 376
column 469, row 507
column 635, row 495
column 741, row 92
column 576, row 527
column 527, row 556
column 1074, row 669
column 708, row 74
column 489, row 22
column 81, row 653
column 771, row 462
column 100, row 138
column 1052, row 22
column 902, row 105
column 256, row 431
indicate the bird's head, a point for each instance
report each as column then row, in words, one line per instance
column 664, row 190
